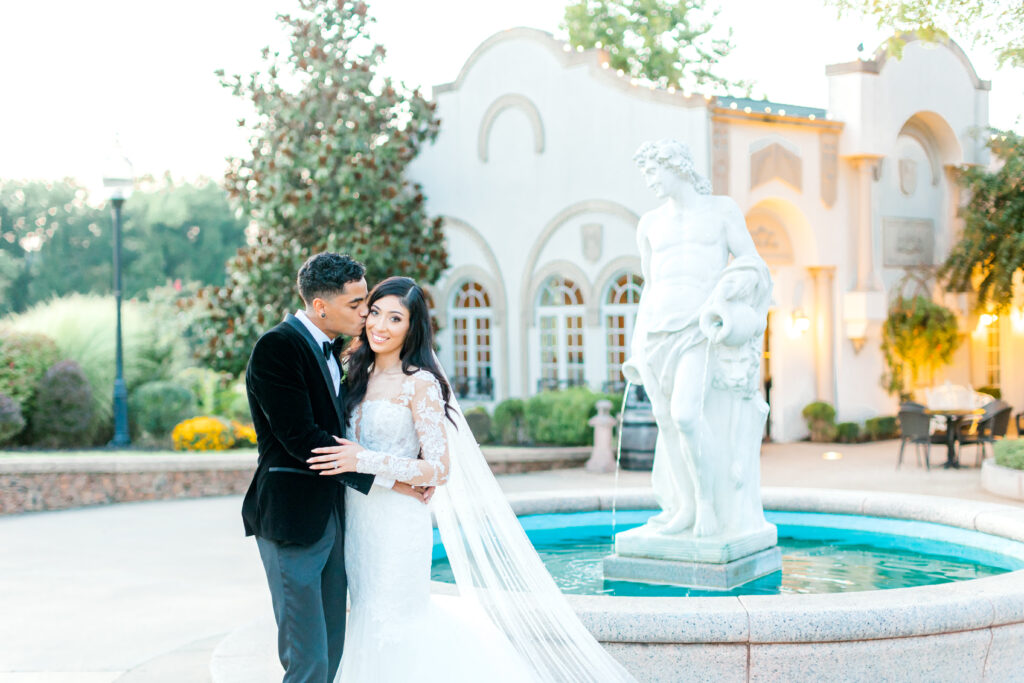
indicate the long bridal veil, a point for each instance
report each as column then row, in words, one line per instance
column 496, row 566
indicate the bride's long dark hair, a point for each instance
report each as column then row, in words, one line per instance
column 417, row 350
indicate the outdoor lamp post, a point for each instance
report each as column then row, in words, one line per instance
column 118, row 180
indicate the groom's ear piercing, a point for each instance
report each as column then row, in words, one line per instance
column 323, row 314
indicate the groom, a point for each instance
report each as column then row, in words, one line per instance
column 294, row 387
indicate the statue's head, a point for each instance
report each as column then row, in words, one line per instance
column 671, row 155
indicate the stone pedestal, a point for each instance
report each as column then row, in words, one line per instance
column 715, row 563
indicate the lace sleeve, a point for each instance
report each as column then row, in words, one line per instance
column 431, row 469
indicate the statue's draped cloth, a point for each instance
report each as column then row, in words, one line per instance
column 663, row 349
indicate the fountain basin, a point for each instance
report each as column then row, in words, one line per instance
column 965, row 630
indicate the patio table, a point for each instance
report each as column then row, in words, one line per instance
column 953, row 419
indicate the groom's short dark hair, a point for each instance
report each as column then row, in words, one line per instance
column 325, row 275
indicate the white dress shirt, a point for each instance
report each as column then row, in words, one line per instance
column 332, row 364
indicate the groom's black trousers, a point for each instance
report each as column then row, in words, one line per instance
column 308, row 588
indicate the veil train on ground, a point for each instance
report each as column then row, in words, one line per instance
column 497, row 567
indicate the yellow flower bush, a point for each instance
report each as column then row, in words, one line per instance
column 244, row 435
column 203, row 434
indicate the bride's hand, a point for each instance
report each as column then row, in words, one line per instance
column 336, row 459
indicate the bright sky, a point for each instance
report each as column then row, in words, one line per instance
column 73, row 73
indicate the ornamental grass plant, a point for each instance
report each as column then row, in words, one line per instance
column 83, row 328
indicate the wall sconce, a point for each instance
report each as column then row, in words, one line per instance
column 857, row 333
column 798, row 323
column 985, row 321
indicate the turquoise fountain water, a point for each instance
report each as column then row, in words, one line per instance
column 822, row 553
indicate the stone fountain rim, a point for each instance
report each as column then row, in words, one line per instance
column 867, row 615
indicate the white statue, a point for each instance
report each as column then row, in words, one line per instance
column 697, row 350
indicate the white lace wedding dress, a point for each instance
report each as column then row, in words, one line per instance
column 397, row 631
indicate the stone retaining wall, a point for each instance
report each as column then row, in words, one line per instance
column 48, row 481
column 31, row 483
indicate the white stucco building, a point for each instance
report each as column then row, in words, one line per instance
column 533, row 174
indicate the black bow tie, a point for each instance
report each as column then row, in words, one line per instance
column 333, row 348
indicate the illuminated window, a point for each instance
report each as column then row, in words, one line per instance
column 993, row 374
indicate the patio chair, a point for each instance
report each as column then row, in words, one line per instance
column 915, row 428
column 937, row 423
column 989, row 426
column 1019, row 420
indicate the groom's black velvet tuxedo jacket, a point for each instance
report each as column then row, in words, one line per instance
column 294, row 410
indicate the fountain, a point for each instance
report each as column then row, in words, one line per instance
column 966, row 629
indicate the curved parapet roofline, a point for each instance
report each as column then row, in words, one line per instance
column 568, row 58
column 875, row 64
column 595, row 59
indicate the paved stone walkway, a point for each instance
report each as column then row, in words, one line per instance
column 143, row 592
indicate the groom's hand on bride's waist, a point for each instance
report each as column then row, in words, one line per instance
column 336, row 459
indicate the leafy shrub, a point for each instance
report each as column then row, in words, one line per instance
column 848, row 432
column 83, row 327
column 821, row 420
column 994, row 392
column 24, row 359
column 479, row 423
column 878, row 428
column 560, row 417
column 919, row 335
column 217, row 393
column 11, row 419
column 64, row 412
column 203, row 434
column 1009, row 453
column 156, row 407
column 508, row 426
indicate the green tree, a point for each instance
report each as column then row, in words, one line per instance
column 52, row 241
column 179, row 231
column 665, row 42
column 332, row 138
column 996, row 24
column 918, row 336
column 991, row 250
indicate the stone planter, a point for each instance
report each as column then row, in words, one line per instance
column 1002, row 481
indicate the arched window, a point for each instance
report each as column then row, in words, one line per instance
column 560, row 320
column 619, row 313
column 471, row 325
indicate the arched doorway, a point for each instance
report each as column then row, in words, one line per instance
column 783, row 239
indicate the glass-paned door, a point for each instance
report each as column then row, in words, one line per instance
column 619, row 313
column 471, row 324
column 560, row 321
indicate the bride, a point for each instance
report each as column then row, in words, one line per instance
column 509, row 622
